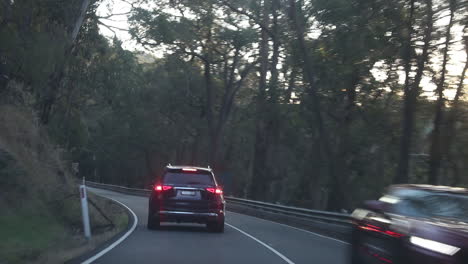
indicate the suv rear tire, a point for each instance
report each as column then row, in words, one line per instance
column 153, row 222
column 216, row 227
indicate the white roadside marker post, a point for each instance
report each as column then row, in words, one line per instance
column 84, row 210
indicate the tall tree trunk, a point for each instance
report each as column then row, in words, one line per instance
column 291, row 85
column 343, row 144
column 412, row 89
column 435, row 158
column 209, row 91
column 79, row 21
column 272, row 113
column 297, row 19
column 226, row 104
column 209, row 111
column 231, row 88
column 408, row 103
column 273, row 83
column 257, row 186
column 298, row 28
column 55, row 80
column 452, row 119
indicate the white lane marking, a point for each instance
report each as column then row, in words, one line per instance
column 263, row 244
column 297, row 228
column 122, row 238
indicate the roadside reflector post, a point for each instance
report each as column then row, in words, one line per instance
column 84, row 210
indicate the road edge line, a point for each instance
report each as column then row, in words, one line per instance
column 118, row 241
column 287, row 260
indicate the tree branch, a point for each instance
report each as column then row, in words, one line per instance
column 118, row 14
column 111, row 27
column 250, row 16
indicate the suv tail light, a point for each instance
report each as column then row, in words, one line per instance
column 378, row 229
column 215, row 190
column 160, row 188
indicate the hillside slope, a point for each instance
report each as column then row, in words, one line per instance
column 40, row 217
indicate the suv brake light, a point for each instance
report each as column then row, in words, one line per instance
column 378, row 229
column 215, row 190
column 159, row 188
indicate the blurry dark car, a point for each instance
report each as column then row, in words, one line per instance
column 413, row 224
column 187, row 194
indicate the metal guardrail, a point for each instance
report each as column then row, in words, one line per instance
column 312, row 215
column 294, row 211
column 117, row 188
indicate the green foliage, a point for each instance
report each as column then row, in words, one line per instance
column 26, row 235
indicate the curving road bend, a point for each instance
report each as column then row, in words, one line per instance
column 246, row 240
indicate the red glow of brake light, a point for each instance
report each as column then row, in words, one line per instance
column 159, row 188
column 189, row 169
column 393, row 234
column 386, row 260
column 380, row 230
column 370, row 228
column 214, row 190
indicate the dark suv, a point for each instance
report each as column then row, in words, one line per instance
column 187, row 194
column 413, row 224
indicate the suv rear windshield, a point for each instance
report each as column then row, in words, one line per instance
column 188, row 178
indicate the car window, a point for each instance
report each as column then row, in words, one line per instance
column 188, row 178
column 448, row 206
column 409, row 207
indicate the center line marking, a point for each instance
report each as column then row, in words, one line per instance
column 263, row 244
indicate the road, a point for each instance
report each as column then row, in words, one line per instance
column 246, row 240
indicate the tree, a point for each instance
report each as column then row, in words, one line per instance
column 435, row 158
column 219, row 44
column 57, row 77
column 412, row 88
column 453, row 116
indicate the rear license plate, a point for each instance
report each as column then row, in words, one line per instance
column 191, row 193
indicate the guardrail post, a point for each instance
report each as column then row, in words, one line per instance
column 84, row 210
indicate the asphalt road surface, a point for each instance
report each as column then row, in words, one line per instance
column 246, row 239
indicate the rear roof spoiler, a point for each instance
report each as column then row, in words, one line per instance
column 169, row 166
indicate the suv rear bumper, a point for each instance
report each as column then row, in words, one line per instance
column 190, row 217
column 179, row 213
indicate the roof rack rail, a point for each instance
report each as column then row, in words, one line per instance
column 169, row 165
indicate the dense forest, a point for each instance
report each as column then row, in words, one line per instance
column 313, row 103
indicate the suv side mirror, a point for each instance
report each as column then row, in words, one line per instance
column 374, row 205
